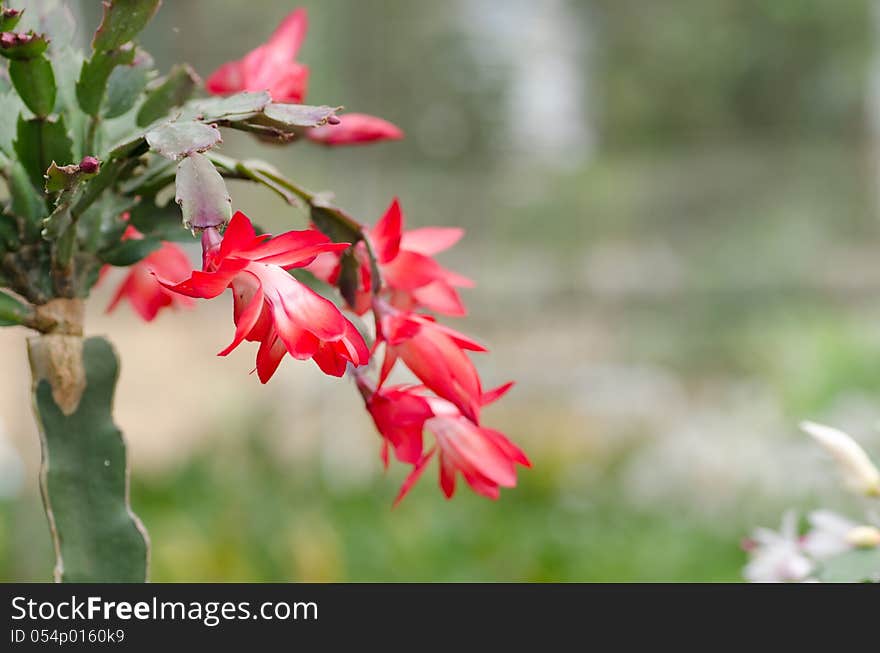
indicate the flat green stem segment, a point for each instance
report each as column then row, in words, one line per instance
column 84, row 475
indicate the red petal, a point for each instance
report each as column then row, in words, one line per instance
column 290, row 83
column 292, row 301
column 447, row 475
column 227, row 79
column 294, row 248
column 326, row 267
column 329, row 360
column 385, row 236
column 441, row 298
column 445, row 369
column 410, row 270
column 207, row 285
column 269, row 356
column 482, row 485
column 288, row 37
column 239, row 235
column 473, row 451
column 413, row 476
column 355, row 129
column 246, row 321
column 509, row 448
column 430, row 240
column 495, row 394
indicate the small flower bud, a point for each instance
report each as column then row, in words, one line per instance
column 864, row 537
column 89, row 165
column 859, row 473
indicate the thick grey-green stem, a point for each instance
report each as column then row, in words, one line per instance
column 84, row 476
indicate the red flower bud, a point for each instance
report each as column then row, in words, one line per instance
column 89, row 165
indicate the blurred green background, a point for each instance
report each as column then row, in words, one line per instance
column 672, row 218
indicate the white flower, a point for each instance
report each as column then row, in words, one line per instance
column 778, row 557
column 829, row 535
column 859, row 473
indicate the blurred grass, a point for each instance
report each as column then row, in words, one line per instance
column 246, row 518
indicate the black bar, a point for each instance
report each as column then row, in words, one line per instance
column 394, row 614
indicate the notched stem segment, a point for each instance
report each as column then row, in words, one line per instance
column 84, row 472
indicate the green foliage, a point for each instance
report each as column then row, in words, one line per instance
column 126, row 85
column 23, row 46
column 232, row 108
column 95, row 75
column 85, row 476
column 26, row 201
column 175, row 140
column 170, row 92
column 9, row 19
column 123, row 20
column 12, row 311
column 35, row 83
column 130, row 251
column 40, row 142
column 160, row 222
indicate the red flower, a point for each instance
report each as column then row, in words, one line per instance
column 411, row 276
column 140, row 287
column 434, row 353
column 270, row 306
column 270, row 67
column 399, row 413
column 355, row 129
column 485, row 457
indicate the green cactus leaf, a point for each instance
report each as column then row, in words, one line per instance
column 175, row 140
column 22, row 46
column 35, row 83
column 67, row 64
column 10, row 106
column 9, row 19
column 39, row 142
column 299, row 115
column 170, row 92
column 9, row 238
column 92, row 85
column 285, row 122
column 12, row 311
column 27, row 202
column 337, row 225
column 202, row 194
column 123, row 20
column 231, row 108
column 84, row 477
column 126, row 84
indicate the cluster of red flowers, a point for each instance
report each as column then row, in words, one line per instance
column 273, row 67
column 449, row 399
column 286, row 317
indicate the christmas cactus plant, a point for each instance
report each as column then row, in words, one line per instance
column 92, row 146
